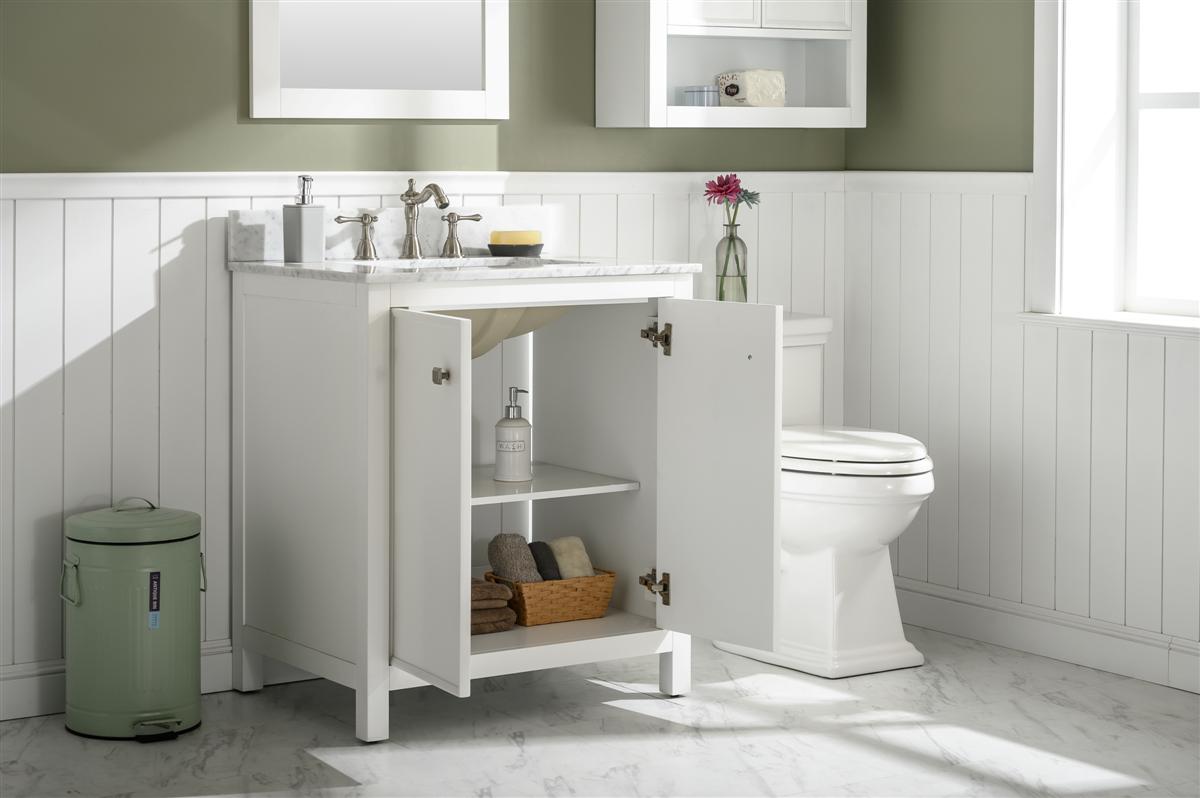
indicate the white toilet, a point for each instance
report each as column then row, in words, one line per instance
column 846, row 494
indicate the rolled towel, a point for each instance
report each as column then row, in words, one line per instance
column 572, row 558
column 482, row 590
column 488, row 604
column 510, row 558
column 501, row 623
column 546, row 564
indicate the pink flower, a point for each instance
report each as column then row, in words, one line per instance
column 725, row 189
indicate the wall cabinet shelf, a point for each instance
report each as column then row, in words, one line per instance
column 757, row 33
column 648, row 50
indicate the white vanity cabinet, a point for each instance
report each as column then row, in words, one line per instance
column 355, row 482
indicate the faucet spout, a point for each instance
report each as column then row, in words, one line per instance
column 439, row 197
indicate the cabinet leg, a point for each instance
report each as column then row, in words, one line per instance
column 371, row 712
column 675, row 666
column 247, row 670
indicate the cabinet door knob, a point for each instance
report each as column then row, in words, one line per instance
column 440, row 375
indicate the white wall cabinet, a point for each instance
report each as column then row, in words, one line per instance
column 741, row 13
column 816, row 14
column 647, row 51
column 360, row 479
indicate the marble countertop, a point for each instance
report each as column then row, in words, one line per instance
column 440, row 270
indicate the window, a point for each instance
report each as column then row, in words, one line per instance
column 1162, row 247
column 1129, row 156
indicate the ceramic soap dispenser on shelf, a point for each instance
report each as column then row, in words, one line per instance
column 514, row 434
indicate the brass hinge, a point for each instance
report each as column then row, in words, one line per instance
column 660, row 587
column 655, row 337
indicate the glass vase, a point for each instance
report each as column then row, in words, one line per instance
column 732, row 266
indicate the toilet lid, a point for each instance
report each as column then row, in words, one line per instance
column 852, row 451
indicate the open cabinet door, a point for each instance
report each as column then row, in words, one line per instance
column 719, row 400
column 431, row 472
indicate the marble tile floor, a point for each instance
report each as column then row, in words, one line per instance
column 975, row 720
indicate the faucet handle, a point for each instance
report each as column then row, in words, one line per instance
column 365, row 219
column 453, row 247
column 366, row 244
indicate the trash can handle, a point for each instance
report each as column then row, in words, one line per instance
column 203, row 575
column 121, row 505
column 62, row 582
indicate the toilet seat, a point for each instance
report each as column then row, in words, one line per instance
column 851, row 451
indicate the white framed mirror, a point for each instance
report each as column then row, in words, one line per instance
column 379, row 59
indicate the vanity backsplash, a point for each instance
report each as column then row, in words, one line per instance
column 257, row 235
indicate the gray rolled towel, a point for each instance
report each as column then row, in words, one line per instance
column 572, row 557
column 511, row 559
column 544, row 557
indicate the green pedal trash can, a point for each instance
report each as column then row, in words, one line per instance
column 131, row 582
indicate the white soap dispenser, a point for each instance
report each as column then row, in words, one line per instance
column 304, row 227
column 514, row 436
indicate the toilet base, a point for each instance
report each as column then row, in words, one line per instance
column 839, row 665
column 837, row 614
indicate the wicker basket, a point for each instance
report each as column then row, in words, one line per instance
column 557, row 600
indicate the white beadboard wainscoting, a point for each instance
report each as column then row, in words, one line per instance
column 115, row 360
column 1065, row 520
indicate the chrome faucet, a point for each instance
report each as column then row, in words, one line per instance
column 410, row 248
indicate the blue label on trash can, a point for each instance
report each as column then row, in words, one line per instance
column 155, row 597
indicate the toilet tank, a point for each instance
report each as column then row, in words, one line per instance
column 804, row 337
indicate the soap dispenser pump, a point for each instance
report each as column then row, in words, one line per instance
column 304, row 226
column 514, row 435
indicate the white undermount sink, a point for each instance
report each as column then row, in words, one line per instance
column 405, row 265
column 489, row 326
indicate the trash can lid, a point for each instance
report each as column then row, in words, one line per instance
column 128, row 522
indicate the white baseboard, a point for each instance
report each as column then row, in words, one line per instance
column 1183, row 665
column 39, row 688
column 35, row 688
column 1143, row 655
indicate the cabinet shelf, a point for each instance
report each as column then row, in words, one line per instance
column 615, row 636
column 757, row 33
column 549, row 482
column 789, row 116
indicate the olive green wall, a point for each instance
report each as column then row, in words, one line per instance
column 161, row 85
column 949, row 87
